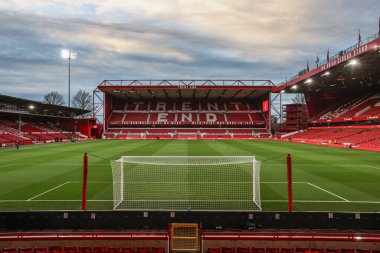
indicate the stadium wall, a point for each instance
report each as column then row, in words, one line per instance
column 124, row 220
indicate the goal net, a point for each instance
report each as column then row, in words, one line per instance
column 224, row 183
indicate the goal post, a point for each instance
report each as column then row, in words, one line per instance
column 178, row 183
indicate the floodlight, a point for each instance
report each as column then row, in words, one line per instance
column 353, row 62
column 326, row 73
column 309, row 80
column 65, row 54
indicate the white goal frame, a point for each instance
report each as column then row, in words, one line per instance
column 241, row 167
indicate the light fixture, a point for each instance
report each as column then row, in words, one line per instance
column 31, row 107
column 326, row 73
column 294, row 87
column 309, row 80
column 283, row 91
column 66, row 54
column 353, row 62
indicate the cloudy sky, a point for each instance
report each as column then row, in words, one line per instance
column 170, row 39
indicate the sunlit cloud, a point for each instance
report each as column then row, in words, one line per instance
column 170, row 39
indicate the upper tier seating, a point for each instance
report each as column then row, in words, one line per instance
column 366, row 105
column 184, row 112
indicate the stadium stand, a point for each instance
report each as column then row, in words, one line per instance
column 40, row 123
column 186, row 119
column 360, row 136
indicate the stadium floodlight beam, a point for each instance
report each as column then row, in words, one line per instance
column 67, row 54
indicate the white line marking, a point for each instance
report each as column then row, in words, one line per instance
column 285, row 182
column 328, row 192
column 5, row 165
column 373, row 167
column 52, row 189
column 323, row 201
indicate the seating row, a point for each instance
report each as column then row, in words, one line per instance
column 287, row 250
column 74, row 249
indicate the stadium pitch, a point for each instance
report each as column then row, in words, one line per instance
column 49, row 177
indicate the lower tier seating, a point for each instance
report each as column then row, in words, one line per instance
column 27, row 133
column 186, row 133
column 75, row 249
column 288, row 250
column 361, row 137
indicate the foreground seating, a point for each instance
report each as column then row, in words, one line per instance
column 75, row 249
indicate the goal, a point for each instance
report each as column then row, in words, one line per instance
column 178, row 183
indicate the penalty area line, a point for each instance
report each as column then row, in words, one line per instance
column 320, row 188
column 6, row 165
column 52, row 189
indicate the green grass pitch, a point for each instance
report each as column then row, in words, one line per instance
column 48, row 177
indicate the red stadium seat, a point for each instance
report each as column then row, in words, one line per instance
column 10, row 250
column 287, row 250
column 70, row 249
column 55, row 248
column 157, row 250
column 115, row 250
column 228, row 250
column 272, row 250
column 214, row 250
column 300, row 250
column 258, row 250
column 84, row 249
column 332, row 250
column 25, row 250
column 363, row 251
column 41, row 250
column 102, row 249
column 347, row 251
column 243, row 250
column 128, row 250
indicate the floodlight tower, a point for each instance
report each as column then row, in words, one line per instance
column 67, row 54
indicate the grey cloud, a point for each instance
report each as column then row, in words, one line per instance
column 166, row 47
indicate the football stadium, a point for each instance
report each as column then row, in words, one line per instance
column 205, row 165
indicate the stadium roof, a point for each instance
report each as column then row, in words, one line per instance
column 357, row 65
column 186, row 89
column 10, row 104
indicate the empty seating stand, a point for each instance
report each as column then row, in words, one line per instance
column 83, row 249
column 361, row 137
column 287, row 250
